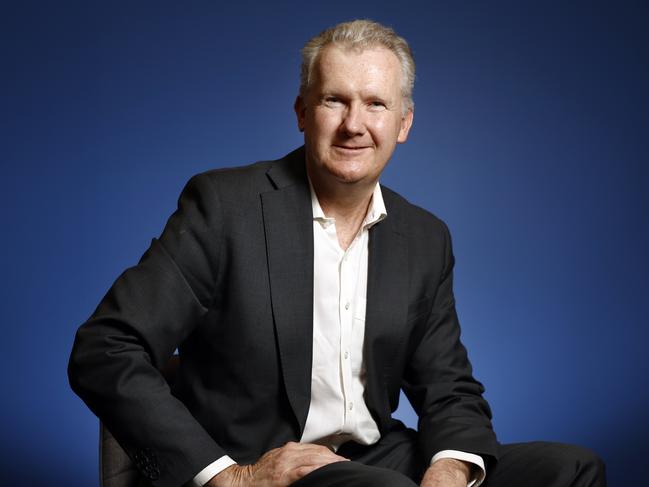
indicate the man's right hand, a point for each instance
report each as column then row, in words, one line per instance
column 277, row 468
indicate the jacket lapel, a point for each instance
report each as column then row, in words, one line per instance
column 288, row 225
column 387, row 307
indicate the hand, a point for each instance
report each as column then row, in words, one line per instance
column 447, row 472
column 277, row 468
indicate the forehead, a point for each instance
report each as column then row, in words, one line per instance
column 370, row 68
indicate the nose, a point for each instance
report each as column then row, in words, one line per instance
column 353, row 122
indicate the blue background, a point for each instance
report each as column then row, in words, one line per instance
column 530, row 140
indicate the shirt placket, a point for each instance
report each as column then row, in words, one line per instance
column 346, row 306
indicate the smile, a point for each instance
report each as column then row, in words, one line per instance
column 350, row 150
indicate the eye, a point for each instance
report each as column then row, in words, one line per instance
column 331, row 101
column 377, row 105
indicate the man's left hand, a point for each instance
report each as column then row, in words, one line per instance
column 447, row 472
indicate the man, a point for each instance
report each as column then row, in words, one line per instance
column 302, row 296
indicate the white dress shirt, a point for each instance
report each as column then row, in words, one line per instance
column 338, row 412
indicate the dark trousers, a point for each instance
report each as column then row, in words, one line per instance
column 394, row 461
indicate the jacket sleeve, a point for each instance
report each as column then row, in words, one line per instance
column 150, row 309
column 439, row 383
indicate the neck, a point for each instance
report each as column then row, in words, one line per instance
column 347, row 203
column 343, row 201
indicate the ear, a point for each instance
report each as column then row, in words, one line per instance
column 300, row 109
column 406, row 123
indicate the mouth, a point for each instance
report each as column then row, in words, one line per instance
column 351, row 149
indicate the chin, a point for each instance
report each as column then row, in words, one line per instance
column 347, row 172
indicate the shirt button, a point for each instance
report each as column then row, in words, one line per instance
column 346, row 305
column 351, row 406
column 346, row 354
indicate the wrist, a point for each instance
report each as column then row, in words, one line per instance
column 232, row 476
column 449, row 470
column 462, row 470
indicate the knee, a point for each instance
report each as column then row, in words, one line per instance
column 581, row 464
column 360, row 475
column 589, row 464
column 392, row 478
column 383, row 476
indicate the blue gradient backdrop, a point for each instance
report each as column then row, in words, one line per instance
column 530, row 140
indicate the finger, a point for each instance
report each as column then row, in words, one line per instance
column 312, row 456
column 311, row 447
column 297, row 473
column 298, row 458
column 321, row 459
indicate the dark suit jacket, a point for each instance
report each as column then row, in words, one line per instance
column 230, row 284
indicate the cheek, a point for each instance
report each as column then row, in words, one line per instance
column 323, row 125
column 386, row 132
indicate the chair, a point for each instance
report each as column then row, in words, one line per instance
column 115, row 467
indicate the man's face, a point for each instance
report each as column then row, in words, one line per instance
column 352, row 114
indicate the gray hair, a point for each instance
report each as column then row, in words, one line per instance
column 361, row 34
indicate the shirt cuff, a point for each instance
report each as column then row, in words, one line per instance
column 214, row 468
column 478, row 476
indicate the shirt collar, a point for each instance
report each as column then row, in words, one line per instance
column 375, row 213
